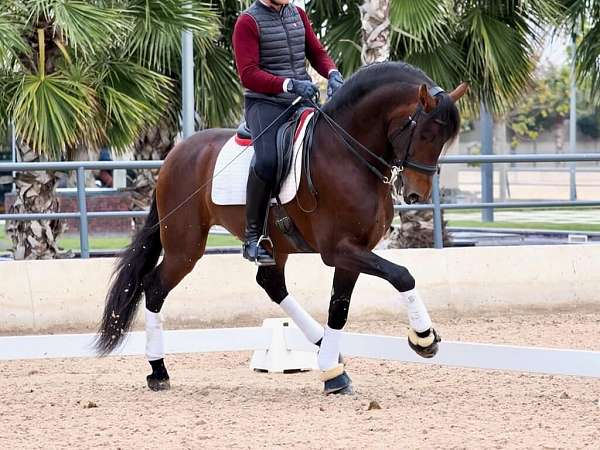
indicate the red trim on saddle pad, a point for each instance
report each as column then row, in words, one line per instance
column 242, row 142
column 305, row 114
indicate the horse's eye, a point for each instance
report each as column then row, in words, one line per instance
column 427, row 136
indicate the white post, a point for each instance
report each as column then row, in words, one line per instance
column 187, row 82
column 573, row 124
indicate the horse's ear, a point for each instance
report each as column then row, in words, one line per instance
column 426, row 100
column 457, row 93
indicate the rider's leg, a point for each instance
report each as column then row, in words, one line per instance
column 260, row 114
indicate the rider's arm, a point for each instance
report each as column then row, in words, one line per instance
column 315, row 52
column 246, row 49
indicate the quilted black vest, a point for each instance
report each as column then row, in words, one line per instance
column 282, row 45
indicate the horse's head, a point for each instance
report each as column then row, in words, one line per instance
column 418, row 142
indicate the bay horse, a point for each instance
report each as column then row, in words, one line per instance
column 388, row 118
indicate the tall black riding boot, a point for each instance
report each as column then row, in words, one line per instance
column 258, row 195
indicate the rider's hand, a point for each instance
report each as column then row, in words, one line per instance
column 335, row 82
column 304, row 89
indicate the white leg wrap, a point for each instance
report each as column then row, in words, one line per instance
column 155, row 345
column 329, row 353
column 418, row 317
column 309, row 326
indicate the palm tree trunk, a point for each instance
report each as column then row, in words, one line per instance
column 152, row 144
column 374, row 16
column 415, row 231
column 35, row 193
column 417, row 226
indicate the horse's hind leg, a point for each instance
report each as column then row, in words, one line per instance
column 180, row 258
column 272, row 280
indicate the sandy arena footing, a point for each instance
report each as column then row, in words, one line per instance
column 217, row 402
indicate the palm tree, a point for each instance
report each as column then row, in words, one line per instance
column 583, row 18
column 375, row 22
column 71, row 74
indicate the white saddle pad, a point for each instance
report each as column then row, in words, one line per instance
column 233, row 164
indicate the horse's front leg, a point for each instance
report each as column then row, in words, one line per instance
column 422, row 337
column 333, row 374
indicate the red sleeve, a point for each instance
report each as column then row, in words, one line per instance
column 247, row 56
column 315, row 52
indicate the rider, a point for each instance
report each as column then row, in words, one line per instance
column 272, row 40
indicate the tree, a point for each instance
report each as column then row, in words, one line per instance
column 73, row 72
column 544, row 106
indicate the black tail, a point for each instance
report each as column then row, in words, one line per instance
column 126, row 288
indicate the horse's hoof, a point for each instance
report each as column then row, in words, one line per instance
column 156, row 384
column 337, row 381
column 426, row 347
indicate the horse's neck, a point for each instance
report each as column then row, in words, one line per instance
column 366, row 123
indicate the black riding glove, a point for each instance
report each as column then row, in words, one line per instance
column 335, row 82
column 304, row 89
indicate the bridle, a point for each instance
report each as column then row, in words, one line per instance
column 410, row 126
column 397, row 165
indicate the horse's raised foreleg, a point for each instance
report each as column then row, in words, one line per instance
column 157, row 285
column 333, row 374
column 272, row 280
column 422, row 337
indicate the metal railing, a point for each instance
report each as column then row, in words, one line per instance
column 83, row 215
column 438, row 207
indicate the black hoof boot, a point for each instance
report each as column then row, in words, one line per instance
column 340, row 385
column 424, row 344
column 337, row 381
column 158, row 380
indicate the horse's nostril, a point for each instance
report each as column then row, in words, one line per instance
column 412, row 198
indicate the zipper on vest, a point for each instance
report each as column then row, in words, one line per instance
column 287, row 36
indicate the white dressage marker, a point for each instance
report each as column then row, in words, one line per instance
column 457, row 354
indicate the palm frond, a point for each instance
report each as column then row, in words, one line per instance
column 131, row 98
column 444, row 64
column 343, row 40
column 51, row 112
column 588, row 61
column 158, row 24
column 418, row 25
column 499, row 53
column 12, row 44
column 83, row 25
column 218, row 93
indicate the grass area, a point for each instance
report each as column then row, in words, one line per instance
column 526, row 225
column 71, row 242
column 537, row 209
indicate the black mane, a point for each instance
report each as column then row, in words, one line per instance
column 368, row 78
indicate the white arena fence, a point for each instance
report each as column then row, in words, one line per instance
column 279, row 347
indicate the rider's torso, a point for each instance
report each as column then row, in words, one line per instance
column 282, row 45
